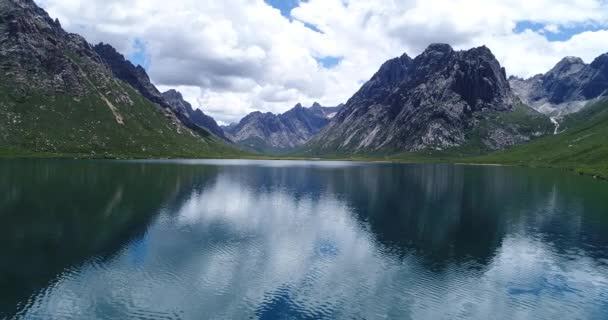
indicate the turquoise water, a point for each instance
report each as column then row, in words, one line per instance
column 299, row 240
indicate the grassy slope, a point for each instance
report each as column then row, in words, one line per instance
column 582, row 147
column 60, row 126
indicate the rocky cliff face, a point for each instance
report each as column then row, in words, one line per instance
column 441, row 99
column 138, row 78
column 57, row 95
column 566, row 88
column 270, row 133
column 36, row 54
column 181, row 106
column 124, row 70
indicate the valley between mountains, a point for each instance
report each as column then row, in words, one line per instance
column 63, row 97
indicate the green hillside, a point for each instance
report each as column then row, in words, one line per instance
column 64, row 126
column 582, row 147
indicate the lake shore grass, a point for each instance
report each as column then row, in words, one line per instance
column 494, row 159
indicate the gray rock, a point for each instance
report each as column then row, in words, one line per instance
column 566, row 88
column 270, row 133
column 198, row 117
column 138, row 78
column 124, row 70
column 436, row 101
column 58, row 95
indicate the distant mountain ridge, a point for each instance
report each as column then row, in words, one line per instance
column 176, row 101
column 567, row 87
column 439, row 100
column 271, row 133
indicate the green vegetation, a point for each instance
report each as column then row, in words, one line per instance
column 87, row 127
column 582, row 147
column 65, row 127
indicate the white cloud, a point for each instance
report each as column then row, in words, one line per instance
column 234, row 56
column 552, row 28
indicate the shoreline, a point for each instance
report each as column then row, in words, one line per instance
column 591, row 172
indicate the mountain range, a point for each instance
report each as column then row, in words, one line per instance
column 60, row 95
column 566, row 88
column 271, row 133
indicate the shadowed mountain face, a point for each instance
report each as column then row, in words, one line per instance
column 566, row 88
column 58, row 96
column 137, row 77
column 198, row 117
column 439, row 100
column 270, row 133
column 124, row 70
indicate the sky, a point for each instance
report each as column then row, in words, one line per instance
column 233, row 57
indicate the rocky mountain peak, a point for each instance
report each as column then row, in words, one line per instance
column 601, row 62
column 55, row 79
column 194, row 116
column 33, row 53
column 566, row 67
column 432, row 103
column 438, row 48
column 173, row 94
column 567, row 87
column 172, row 100
column 571, row 60
column 389, row 76
column 136, row 76
column 277, row 133
column 27, row 18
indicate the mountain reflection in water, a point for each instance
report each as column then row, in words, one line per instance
column 274, row 239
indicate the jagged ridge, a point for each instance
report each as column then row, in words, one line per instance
column 440, row 99
column 179, row 105
column 57, row 96
column 270, row 133
column 567, row 87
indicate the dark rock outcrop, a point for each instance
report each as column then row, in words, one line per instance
column 37, row 55
column 181, row 106
column 124, row 70
column 438, row 100
column 270, row 133
column 138, row 78
column 566, row 88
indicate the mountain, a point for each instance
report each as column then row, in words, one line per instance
column 581, row 145
column 124, row 70
column 325, row 112
column 59, row 97
column 439, row 100
column 270, row 133
column 566, row 88
column 137, row 77
column 198, row 117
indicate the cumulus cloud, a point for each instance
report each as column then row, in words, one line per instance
column 232, row 57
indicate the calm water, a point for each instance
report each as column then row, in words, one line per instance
column 299, row 240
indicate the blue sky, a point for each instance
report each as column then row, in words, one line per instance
column 140, row 55
column 563, row 33
column 285, row 6
column 235, row 56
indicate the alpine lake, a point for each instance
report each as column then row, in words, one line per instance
column 240, row 239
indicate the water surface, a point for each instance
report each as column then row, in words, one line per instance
column 299, row 240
